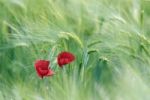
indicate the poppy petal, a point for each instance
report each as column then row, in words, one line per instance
column 50, row 73
column 42, row 68
column 65, row 58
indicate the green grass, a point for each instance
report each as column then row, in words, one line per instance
column 110, row 39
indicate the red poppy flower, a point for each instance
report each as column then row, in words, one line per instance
column 65, row 58
column 42, row 68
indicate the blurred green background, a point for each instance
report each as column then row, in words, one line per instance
column 110, row 39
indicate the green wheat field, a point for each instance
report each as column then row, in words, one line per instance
column 109, row 38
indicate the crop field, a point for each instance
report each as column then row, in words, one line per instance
column 108, row 42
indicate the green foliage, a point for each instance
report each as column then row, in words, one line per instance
column 110, row 39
